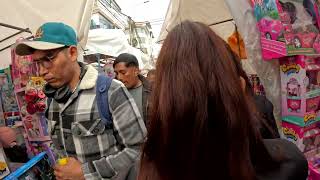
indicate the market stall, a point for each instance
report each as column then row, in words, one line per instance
column 111, row 43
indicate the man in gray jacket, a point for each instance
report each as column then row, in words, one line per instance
column 126, row 68
column 94, row 150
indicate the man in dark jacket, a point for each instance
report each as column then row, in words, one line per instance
column 126, row 67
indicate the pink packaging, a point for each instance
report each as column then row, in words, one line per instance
column 314, row 173
column 22, row 69
column 306, row 138
column 287, row 27
column 35, row 130
column 300, row 89
column 313, row 159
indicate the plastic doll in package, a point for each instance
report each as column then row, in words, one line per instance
column 32, row 127
column 34, row 96
column 301, row 14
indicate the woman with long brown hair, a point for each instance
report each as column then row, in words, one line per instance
column 201, row 125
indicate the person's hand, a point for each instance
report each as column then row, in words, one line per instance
column 70, row 171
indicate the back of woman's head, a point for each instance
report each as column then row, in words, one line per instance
column 201, row 126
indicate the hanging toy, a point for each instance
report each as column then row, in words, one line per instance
column 31, row 108
column 31, row 95
column 35, row 96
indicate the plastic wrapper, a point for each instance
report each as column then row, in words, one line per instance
column 268, row 71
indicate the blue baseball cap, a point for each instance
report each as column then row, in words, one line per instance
column 51, row 35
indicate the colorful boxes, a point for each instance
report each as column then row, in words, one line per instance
column 300, row 90
column 287, row 27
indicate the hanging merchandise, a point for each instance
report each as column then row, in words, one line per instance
column 34, row 95
column 7, row 92
column 24, row 105
column 257, row 87
column 300, row 89
column 22, row 69
column 300, row 79
column 287, row 27
column 236, row 43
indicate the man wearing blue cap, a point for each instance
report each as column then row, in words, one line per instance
column 95, row 151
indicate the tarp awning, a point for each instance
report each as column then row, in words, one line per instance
column 208, row 12
column 32, row 13
column 113, row 42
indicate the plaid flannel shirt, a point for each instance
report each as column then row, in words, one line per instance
column 77, row 130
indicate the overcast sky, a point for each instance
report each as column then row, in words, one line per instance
column 146, row 10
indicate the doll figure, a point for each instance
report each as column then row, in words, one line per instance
column 293, row 87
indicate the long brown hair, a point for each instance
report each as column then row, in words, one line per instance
column 201, row 124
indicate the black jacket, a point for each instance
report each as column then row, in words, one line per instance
column 146, row 90
column 292, row 166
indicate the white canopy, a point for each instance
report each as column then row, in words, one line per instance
column 33, row 13
column 113, row 42
column 208, row 12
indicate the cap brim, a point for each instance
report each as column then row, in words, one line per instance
column 28, row 47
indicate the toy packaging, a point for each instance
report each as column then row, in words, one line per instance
column 38, row 167
column 300, row 89
column 34, row 96
column 12, row 120
column 257, row 86
column 313, row 158
column 37, row 147
column 34, row 128
column 287, row 27
column 306, row 138
column 7, row 92
column 22, row 69
column 32, row 106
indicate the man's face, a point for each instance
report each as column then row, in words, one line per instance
column 127, row 75
column 54, row 65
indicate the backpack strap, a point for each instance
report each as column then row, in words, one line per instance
column 103, row 85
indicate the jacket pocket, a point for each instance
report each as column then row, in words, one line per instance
column 88, row 128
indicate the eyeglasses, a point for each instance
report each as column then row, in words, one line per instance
column 47, row 60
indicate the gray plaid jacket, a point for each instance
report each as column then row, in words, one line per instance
column 77, row 130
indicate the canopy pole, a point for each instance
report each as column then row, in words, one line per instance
column 220, row 22
column 15, row 27
column 11, row 36
column 30, row 37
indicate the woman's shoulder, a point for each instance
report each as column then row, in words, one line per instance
column 292, row 164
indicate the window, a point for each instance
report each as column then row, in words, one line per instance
column 105, row 23
column 93, row 25
column 101, row 22
column 112, row 4
column 115, row 6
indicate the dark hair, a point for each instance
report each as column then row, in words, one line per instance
column 201, row 125
column 129, row 59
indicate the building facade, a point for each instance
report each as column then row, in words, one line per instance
column 107, row 15
column 140, row 36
